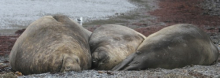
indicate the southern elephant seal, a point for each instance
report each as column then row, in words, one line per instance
column 110, row 44
column 172, row 47
column 51, row 44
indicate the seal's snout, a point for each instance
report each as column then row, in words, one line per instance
column 98, row 56
column 71, row 64
column 95, row 59
column 99, row 59
column 74, row 67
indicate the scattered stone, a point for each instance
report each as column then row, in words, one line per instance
column 18, row 73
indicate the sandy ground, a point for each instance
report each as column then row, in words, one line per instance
column 186, row 72
column 151, row 16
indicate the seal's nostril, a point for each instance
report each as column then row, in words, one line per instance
column 77, row 60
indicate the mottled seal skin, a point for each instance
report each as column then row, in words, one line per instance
column 172, row 47
column 51, row 44
column 110, row 44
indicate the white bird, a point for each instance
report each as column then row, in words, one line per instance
column 79, row 20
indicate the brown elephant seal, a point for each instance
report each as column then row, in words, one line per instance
column 110, row 44
column 172, row 47
column 51, row 44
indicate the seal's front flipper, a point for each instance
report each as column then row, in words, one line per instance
column 125, row 62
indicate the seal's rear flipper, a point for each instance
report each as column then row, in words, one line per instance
column 125, row 62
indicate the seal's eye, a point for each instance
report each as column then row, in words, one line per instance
column 68, row 68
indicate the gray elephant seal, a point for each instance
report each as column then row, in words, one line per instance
column 110, row 44
column 172, row 47
column 51, row 44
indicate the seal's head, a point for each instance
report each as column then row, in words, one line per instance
column 99, row 58
column 71, row 64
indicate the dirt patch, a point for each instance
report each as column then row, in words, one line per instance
column 6, row 44
column 149, row 30
column 186, row 11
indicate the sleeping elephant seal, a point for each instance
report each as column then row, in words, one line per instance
column 172, row 47
column 51, row 44
column 110, row 44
